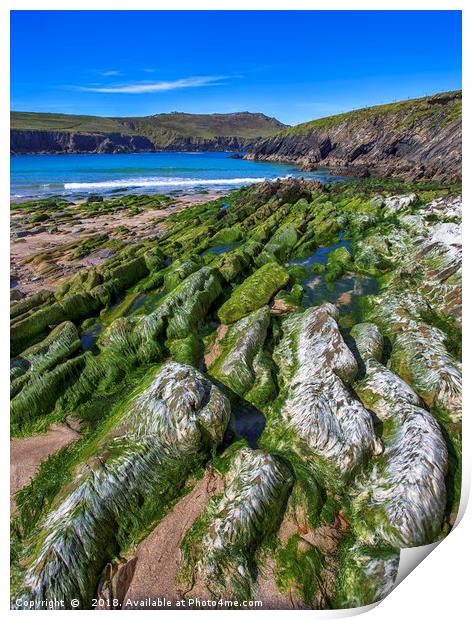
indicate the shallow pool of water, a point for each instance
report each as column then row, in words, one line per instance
column 221, row 249
column 320, row 255
column 344, row 293
column 90, row 337
column 247, row 422
column 137, row 304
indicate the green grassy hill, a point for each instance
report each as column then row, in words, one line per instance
column 412, row 139
column 408, row 110
column 39, row 121
column 240, row 124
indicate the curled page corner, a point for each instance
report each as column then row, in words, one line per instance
column 412, row 557
column 354, row 611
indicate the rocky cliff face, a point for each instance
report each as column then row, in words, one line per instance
column 27, row 141
column 219, row 143
column 410, row 139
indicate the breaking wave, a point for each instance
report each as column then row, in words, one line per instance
column 162, row 182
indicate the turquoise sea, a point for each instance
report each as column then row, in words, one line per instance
column 77, row 176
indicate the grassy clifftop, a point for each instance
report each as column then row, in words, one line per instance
column 39, row 121
column 407, row 111
column 240, row 124
column 413, row 139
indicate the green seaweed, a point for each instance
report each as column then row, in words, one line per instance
column 254, row 292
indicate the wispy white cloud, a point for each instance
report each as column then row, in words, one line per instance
column 148, row 70
column 107, row 73
column 155, row 87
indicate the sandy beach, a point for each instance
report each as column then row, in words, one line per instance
column 42, row 255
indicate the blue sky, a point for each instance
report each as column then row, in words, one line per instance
column 294, row 65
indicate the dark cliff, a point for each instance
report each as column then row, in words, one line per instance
column 25, row 141
column 412, row 139
column 62, row 133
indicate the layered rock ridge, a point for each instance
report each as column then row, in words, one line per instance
column 412, row 139
column 63, row 133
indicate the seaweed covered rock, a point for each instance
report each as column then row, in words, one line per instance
column 419, row 353
column 421, row 358
column 426, row 248
column 26, row 329
column 237, row 524
column 256, row 291
column 243, row 365
column 369, row 341
column 41, row 391
column 404, row 495
column 399, row 501
column 436, row 264
column 156, row 440
column 225, row 236
column 288, row 301
column 178, row 271
column 127, row 271
column 141, row 338
column 373, row 254
column 25, row 305
column 232, row 264
column 83, row 294
column 394, row 204
column 316, row 366
column 282, row 242
column 61, row 343
column 339, row 261
column 84, row 280
column 366, row 574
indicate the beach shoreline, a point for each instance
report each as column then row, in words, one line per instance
column 41, row 253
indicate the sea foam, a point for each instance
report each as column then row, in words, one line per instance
column 162, row 182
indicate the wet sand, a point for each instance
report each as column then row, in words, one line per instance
column 157, row 561
column 31, row 273
column 27, row 454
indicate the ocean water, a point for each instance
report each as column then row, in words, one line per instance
column 76, row 176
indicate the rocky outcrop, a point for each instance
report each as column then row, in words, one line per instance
column 219, row 143
column 411, row 140
column 405, row 491
column 245, row 516
column 243, row 365
column 62, row 133
column 254, row 293
column 156, row 440
column 28, row 142
column 316, row 365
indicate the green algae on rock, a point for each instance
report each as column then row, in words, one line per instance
column 158, row 437
column 254, row 292
column 237, row 523
column 354, row 427
column 407, row 485
column 315, row 367
column 242, row 346
column 338, row 262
